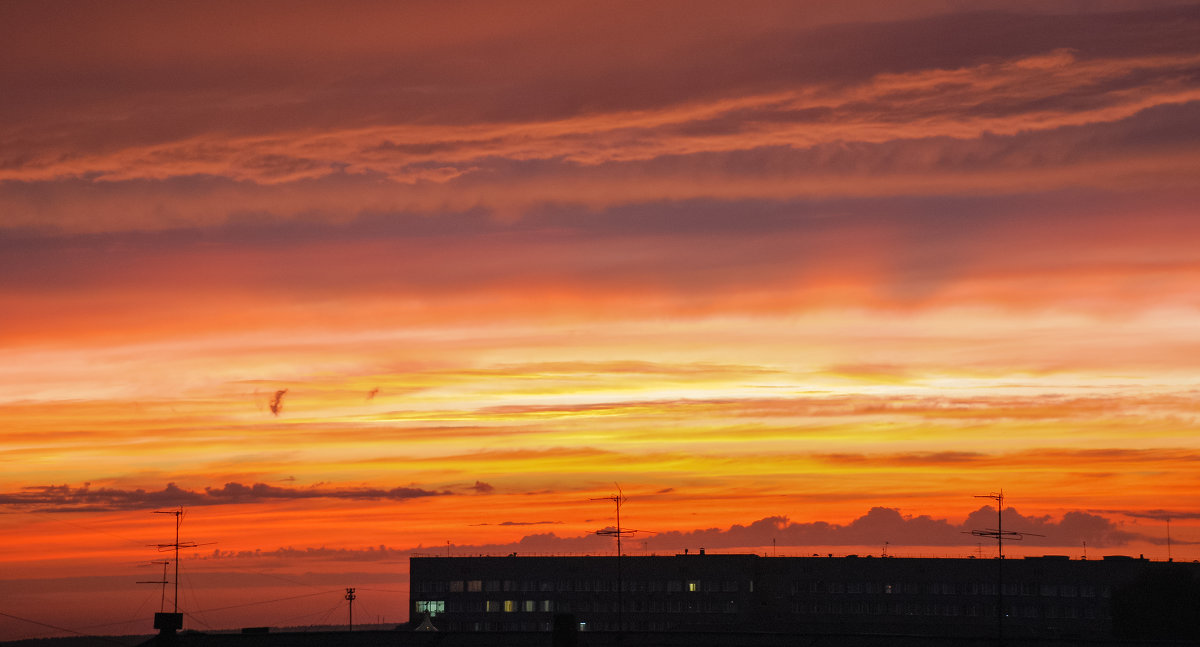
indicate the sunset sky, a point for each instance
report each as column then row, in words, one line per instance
column 353, row 281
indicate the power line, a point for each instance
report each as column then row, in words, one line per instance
column 250, row 604
column 58, row 628
column 350, row 597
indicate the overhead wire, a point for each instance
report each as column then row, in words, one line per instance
column 249, row 604
column 58, row 628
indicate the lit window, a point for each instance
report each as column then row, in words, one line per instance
column 693, row 586
column 432, row 607
column 530, row 605
column 475, row 586
column 510, row 606
column 547, row 605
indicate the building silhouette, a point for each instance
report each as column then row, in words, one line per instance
column 1050, row 596
column 742, row 600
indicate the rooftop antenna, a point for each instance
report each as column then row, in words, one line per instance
column 1169, row 558
column 617, row 532
column 175, row 546
column 999, row 534
column 162, row 602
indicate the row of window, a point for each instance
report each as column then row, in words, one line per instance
column 1065, row 612
column 953, row 588
column 438, row 607
column 590, row 585
column 528, row 625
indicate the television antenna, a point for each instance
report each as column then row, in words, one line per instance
column 1000, row 534
column 162, row 602
column 1169, row 558
column 175, row 546
column 617, row 532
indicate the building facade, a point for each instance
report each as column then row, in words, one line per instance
column 1046, row 596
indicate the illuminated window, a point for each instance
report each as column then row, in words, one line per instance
column 693, row 586
column 432, row 607
column 475, row 586
column 530, row 605
column 492, row 605
column 510, row 606
column 547, row 605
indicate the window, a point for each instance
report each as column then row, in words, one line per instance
column 530, row 606
column 693, row 586
column 547, row 605
column 432, row 607
column 510, row 606
column 674, row 586
column 492, row 605
column 456, row 586
column 475, row 586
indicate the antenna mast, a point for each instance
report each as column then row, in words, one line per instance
column 999, row 533
column 618, row 499
column 162, row 602
column 1169, row 558
column 175, row 546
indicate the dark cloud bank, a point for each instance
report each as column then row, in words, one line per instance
column 877, row 526
column 64, row 498
column 874, row 528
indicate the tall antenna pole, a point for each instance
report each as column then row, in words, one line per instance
column 999, row 533
column 351, row 597
column 1169, row 558
column 617, row 498
column 617, row 532
column 176, row 546
column 162, row 602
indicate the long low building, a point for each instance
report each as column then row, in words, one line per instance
column 1043, row 596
